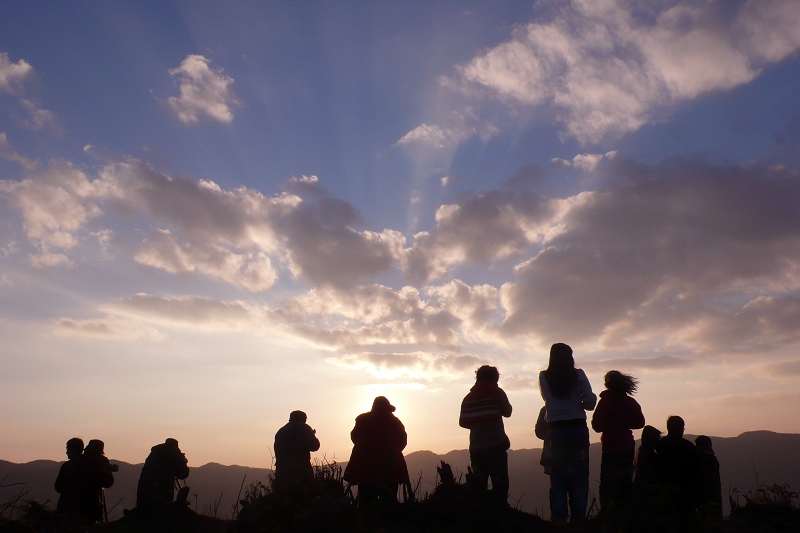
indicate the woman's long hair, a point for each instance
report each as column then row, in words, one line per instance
column 560, row 373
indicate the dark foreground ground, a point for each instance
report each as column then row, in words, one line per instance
column 329, row 506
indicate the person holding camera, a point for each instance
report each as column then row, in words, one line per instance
column 156, row 489
column 95, row 473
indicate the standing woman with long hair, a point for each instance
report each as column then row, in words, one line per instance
column 567, row 396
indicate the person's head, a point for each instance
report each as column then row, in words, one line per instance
column 74, row 448
column 675, row 426
column 298, row 416
column 561, row 357
column 172, row 443
column 703, row 444
column 95, row 447
column 381, row 405
column 650, row 436
column 622, row 383
column 487, row 373
column 560, row 373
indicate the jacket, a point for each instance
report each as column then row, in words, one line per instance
column 615, row 416
column 482, row 412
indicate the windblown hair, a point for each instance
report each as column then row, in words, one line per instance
column 622, row 383
column 560, row 374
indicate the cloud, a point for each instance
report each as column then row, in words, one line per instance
column 330, row 319
column 252, row 271
column 440, row 138
column 361, row 318
column 662, row 252
column 411, row 365
column 12, row 79
column 658, row 363
column 12, row 75
column 106, row 328
column 55, row 205
column 783, row 369
column 205, row 93
column 608, row 70
column 196, row 311
column 8, row 153
column 236, row 236
column 481, row 229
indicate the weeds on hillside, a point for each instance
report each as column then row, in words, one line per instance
column 15, row 503
column 773, row 507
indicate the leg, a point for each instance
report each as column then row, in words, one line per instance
column 480, row 470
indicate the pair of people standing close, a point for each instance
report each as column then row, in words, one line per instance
column 81, row 480
column 562, row 422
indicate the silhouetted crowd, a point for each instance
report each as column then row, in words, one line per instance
column 665, row 475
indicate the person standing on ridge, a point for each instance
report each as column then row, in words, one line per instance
column 616, row 414
column 95, row 473
column 567, row 396
column 294, row 443
column 482, row 412
column 68, row 479
column 377, row 464
column 156, row 489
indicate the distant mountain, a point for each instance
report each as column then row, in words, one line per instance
column 211, row 483
column 751, row 458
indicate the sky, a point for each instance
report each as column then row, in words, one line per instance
column 215, row 213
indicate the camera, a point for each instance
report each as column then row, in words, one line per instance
column 113, row 467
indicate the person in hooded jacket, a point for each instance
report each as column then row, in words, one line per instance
column 482, row 412
column 376, row 463
column 616, row 414
column 165, row 464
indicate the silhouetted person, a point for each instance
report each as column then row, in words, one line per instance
column 677, row 468
column 567, row 395
column 376, row 464
column 677, row 457
column 542, row 431
column 95, row 473
column 482, row 412
column 156, row 489
column 646, row 477
column 68, row 480
column 616, row 414
column 294, row 443
column 708, row 489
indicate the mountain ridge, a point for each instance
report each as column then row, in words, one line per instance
column 750, row 459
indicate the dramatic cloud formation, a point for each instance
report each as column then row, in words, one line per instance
column 205, row 93
column 607, row 71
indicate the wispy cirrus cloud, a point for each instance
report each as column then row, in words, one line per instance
column 204, row 92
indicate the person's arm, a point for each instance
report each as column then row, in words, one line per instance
column 505, row 405
column 588, row 398
column 462, row 420
column 311, row 439
column 60, row 480
column 599, row 418
column 542, row 429
column 637, row 417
